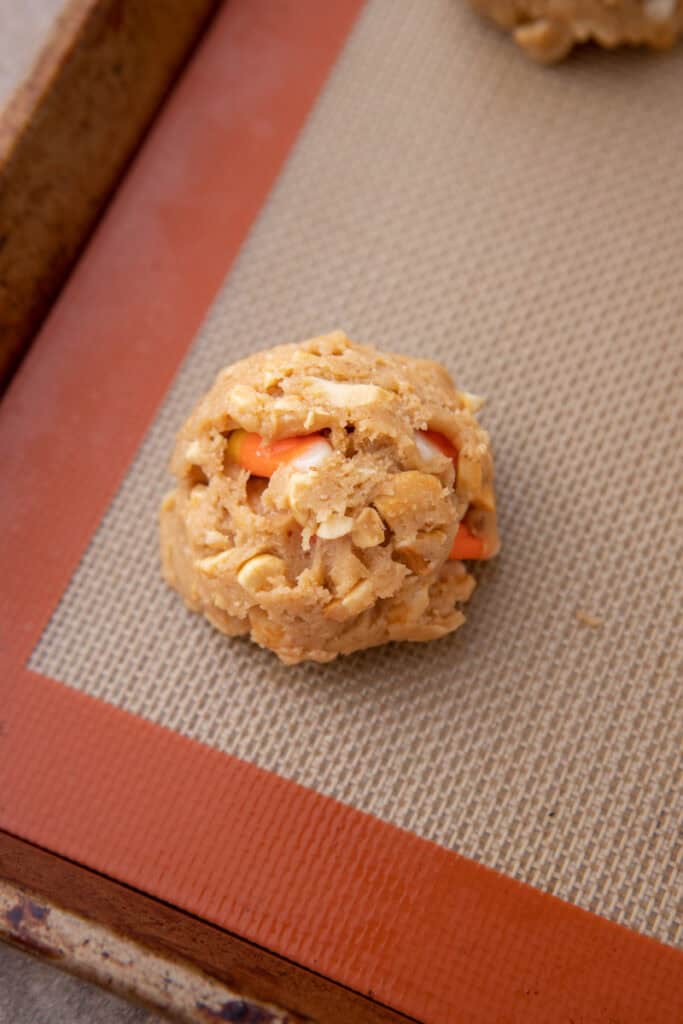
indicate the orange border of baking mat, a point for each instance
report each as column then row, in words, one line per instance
column 369, row 905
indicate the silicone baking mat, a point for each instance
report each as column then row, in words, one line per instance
column 446, row 198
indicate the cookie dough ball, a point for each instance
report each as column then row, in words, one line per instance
column 327, row 497
column 548, row 29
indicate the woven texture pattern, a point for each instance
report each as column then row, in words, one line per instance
column 525, row 227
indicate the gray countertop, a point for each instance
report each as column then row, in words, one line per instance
column 34, row 992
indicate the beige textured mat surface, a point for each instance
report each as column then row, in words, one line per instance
column 526, row 227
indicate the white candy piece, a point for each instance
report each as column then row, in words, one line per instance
column 427, row 449
column 313, row 456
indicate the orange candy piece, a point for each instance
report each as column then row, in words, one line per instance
column 262, row 458
column 466, row 545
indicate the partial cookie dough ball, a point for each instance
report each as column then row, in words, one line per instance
column 327, row 496
column 548, row 29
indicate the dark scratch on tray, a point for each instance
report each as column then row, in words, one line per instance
column 238, row 1011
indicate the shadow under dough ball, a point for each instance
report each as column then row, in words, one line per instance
column 327, row 498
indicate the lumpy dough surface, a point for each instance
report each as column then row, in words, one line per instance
column 326, row 559
column 548, row 29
